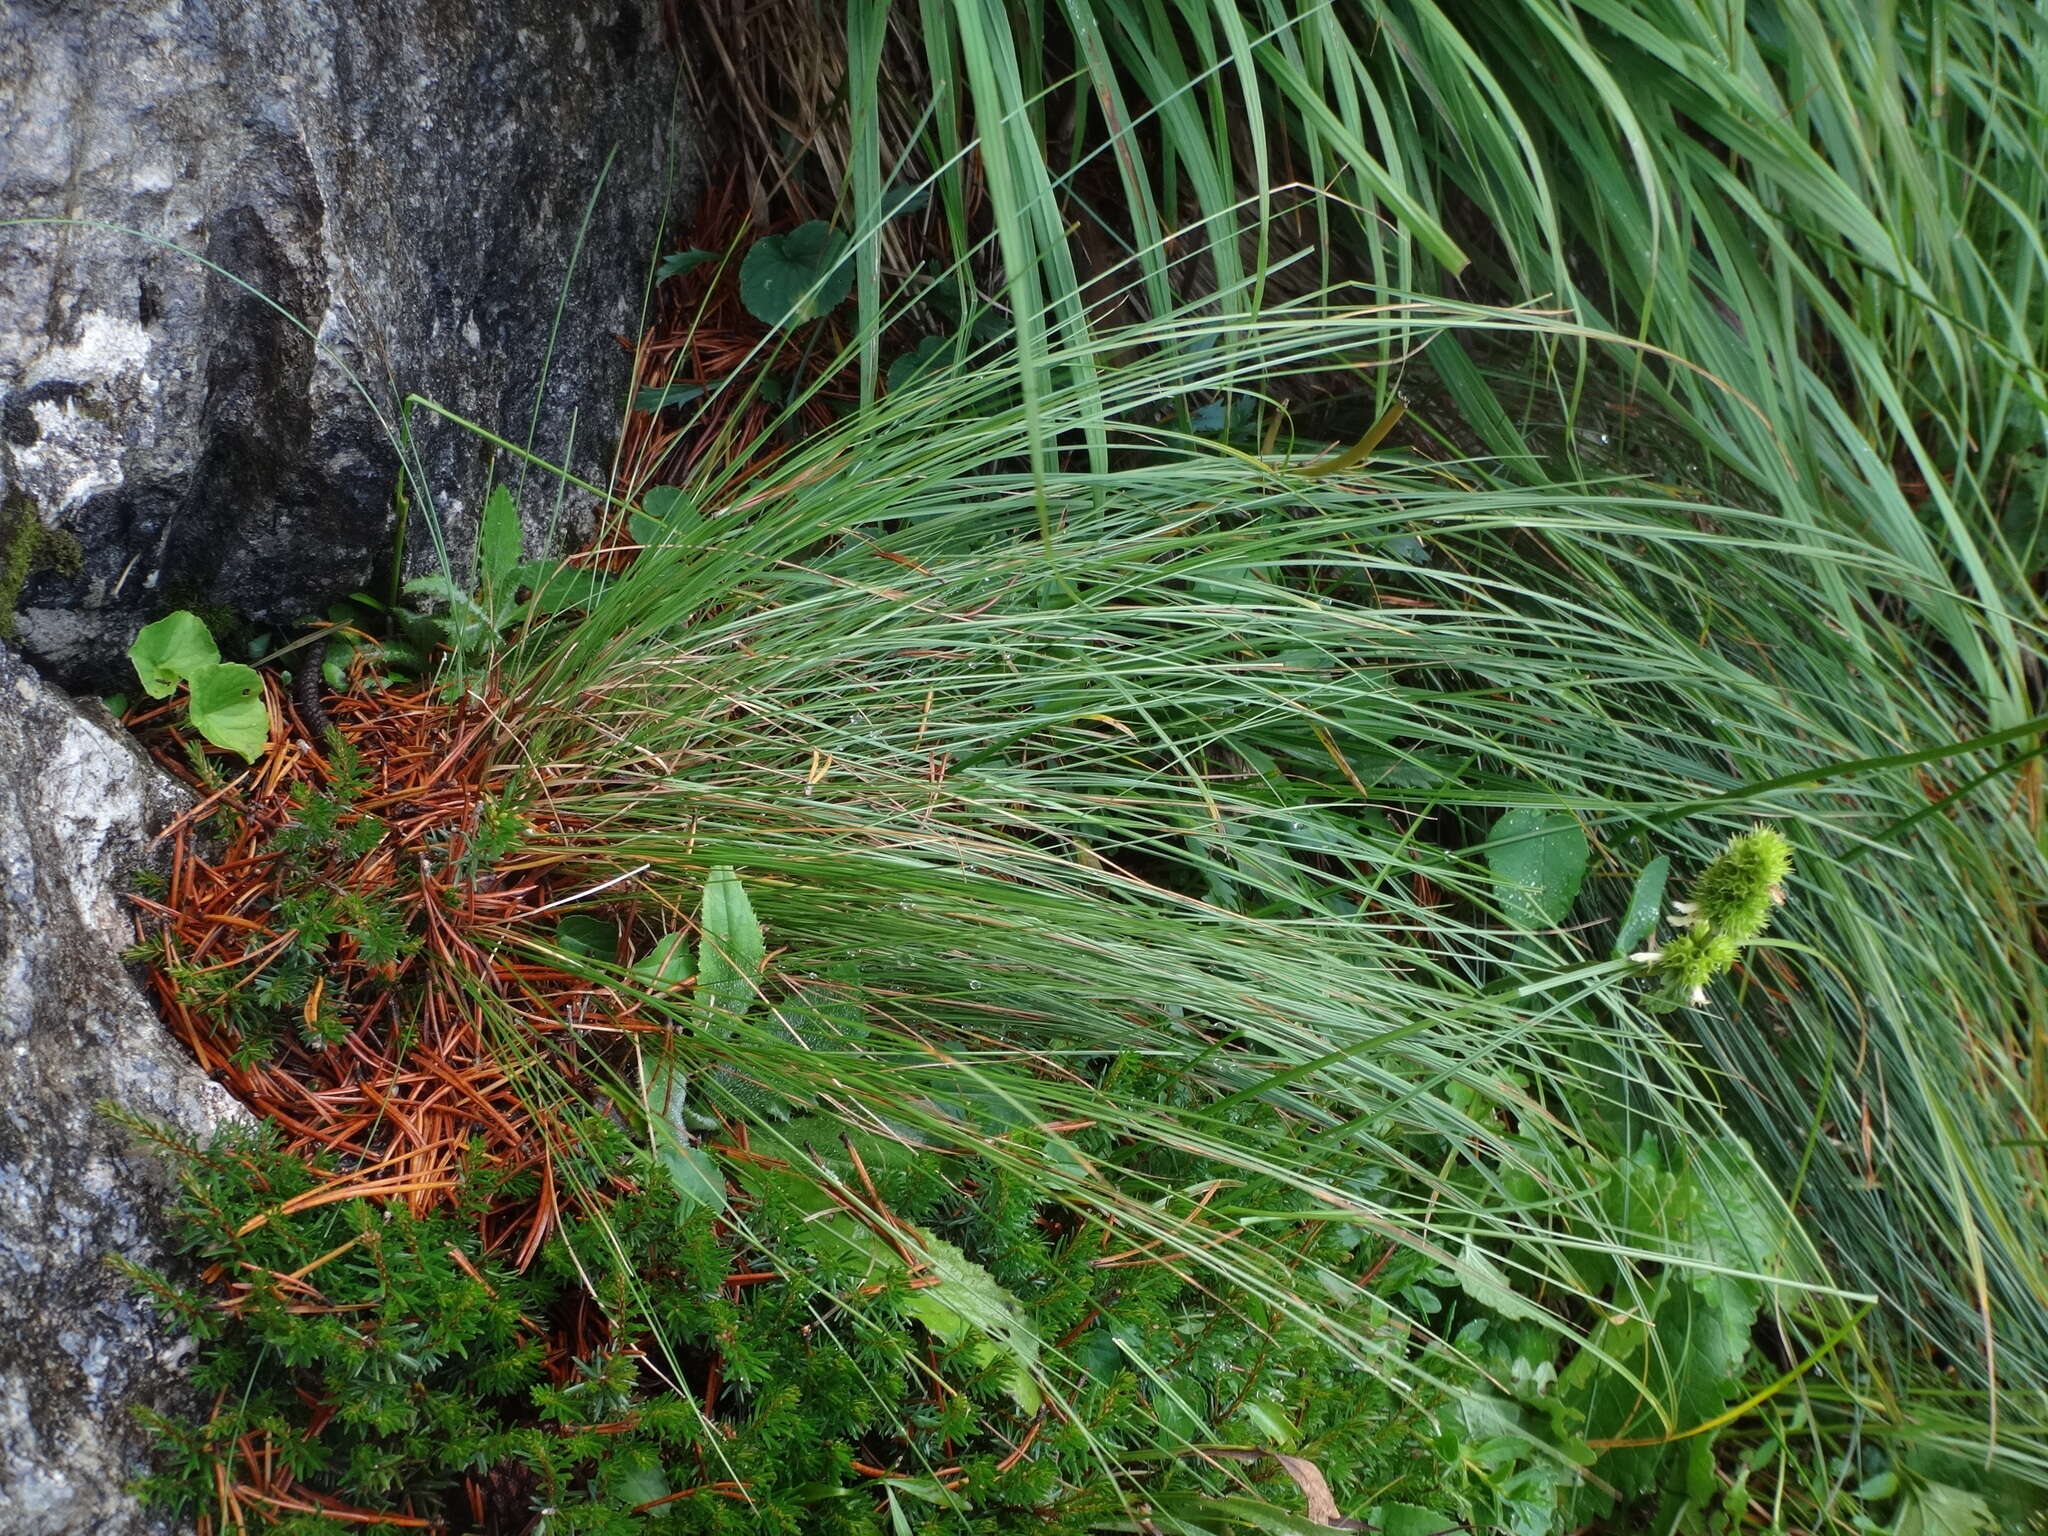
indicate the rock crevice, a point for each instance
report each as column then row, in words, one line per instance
column 409, row 181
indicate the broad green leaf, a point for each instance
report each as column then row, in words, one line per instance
column 1484, row 1281
column 902, row 200
column 169, row 651
column 1274, row 1427
column 592, row 937
column 1938, row 1509
column 1411, row 1520
column 667, row 961
column 468, row 625
column 690, row 1168
column 930, row 1490
column 967, row 1301
column 788, row 279
column 1640, row 920
column 229, row 710
column 334, row 663
column 829, row 1229
column 555, row 585
column 667, row 1093
column 967, row 1297
column 1642, row 1380
column 929, row 355
column 1539, row 858
column 667, row 513
column 1732, row 1222
column 1878, row 1488
column 497, row 544
column 730, row 948
column 672, row 504
column 634, row 1476
column 1235, row 1514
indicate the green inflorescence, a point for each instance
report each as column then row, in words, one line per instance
column 1730, row 905
column 1734, row 895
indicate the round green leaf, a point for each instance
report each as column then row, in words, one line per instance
column 788, row 279
column 228, row 708
column 169, row 651
column 1539, row 858
column 930, row 355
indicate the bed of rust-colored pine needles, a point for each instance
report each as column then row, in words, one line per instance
column 395, row 1072
column 408, row 1084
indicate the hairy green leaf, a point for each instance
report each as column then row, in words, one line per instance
column 498, row 539
column 690, row 1168
column 676, row 263
column 730, row 948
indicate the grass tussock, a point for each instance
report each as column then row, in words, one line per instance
column 1069, row 923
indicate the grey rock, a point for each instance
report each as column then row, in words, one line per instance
column 78, row 806
column 407, row 177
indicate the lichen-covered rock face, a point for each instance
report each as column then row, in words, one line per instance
column 78, row 806
column 409, row 179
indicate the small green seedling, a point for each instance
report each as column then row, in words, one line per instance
column 224, row 698
column 508, row 590
column 1729, row 906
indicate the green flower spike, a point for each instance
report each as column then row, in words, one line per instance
column 1731, row 905
column 1734, row 894
column 1692, row 960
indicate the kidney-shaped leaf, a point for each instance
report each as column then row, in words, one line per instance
column 169, row 651
column 229, row 710
column 788, row 279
